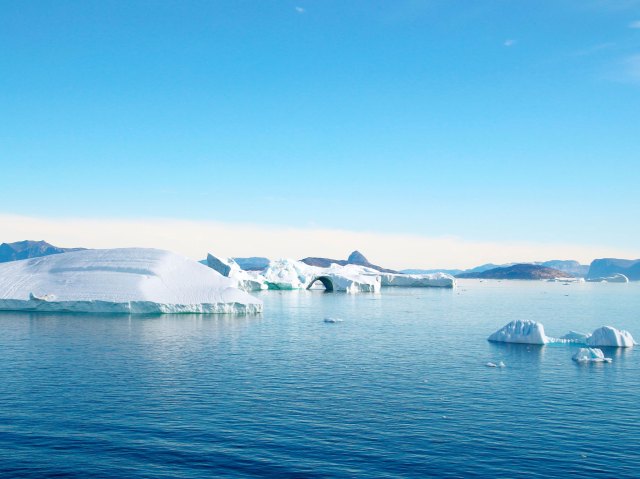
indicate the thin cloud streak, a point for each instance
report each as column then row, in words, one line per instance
column 196, row 238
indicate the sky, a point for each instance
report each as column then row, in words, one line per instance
column 423, row 133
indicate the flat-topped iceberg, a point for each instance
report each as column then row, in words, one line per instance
column 521, row 331
column 615, row 278
column 590, row 355
column 432, row 280
column 125, row 280
column 610, row 336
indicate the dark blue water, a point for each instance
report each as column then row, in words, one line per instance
column 399, row 389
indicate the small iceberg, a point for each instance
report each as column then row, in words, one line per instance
column 610, row 336
column 333, row 320
column 521, row 331
column 615, row 278
column 494, row 365
column 590, row 355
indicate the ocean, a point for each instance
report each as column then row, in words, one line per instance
column 398, row 388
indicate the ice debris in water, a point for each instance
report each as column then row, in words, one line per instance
column 494, row 365
column 521, row 331
column 333, row 320
column 590, row 355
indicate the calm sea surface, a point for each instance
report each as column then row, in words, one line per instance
column 399, row 389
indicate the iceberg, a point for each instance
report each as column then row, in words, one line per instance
column 521, row 331
column 590, row 355
column 350, row 278
column 225, row 266
column 575, row 337
column 610, row 336
column 124, row 280
column 433, row 280
column 286, row 274
column 615, row 278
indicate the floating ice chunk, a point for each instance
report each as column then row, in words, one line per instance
column 494, row 365
column 575, row 337
column 521, row 331
column 590, row 355
column 124, row 280
column 42, row 297
column 609, row 336
column 333, row 320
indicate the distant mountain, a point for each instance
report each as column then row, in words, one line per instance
column 606, row 267
column 568, row 266
column 354, row 258
column 29, row 249
column 518, row 271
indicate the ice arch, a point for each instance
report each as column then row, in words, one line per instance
column 325, row 280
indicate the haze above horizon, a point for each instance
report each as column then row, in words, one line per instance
column 481, row 129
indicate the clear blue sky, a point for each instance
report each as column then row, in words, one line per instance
column 483, row 119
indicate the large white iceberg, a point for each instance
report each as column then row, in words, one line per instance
column 126, row 280
column 590, row 355
column 286, row 274
column 350, row 278
column 609, row 336
column 433, row 280
column 521, row 331
column 244, row 280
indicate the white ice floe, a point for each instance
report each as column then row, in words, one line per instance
column 615, row 278
column 610, row 336
column 521, row 331
column 575, row 337
column 125, row 280
column 590, row 355
column 433, row 280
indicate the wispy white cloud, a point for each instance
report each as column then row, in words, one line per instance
column 300, row 9
column 196, row 238
column 509, row 42
column 635, row 24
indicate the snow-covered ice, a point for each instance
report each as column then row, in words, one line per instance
column 125, row 280
column 575, row 337
column 521, row 331
column 433, row 280
column 590, row 355
column 610, row 336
